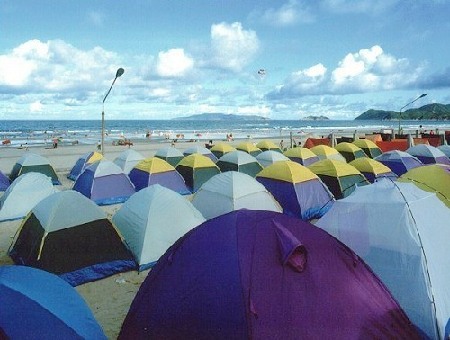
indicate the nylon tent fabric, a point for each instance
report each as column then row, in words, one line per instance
column 221, row 149
column 152, row 220
column 433, row 178
column 445, row 149
column 196, row 169
column 105, row 183
column 372, row 169
column 23, row 194
column 398, row 161
column 200, row 150
column 81, row 163
column 327, row 152
column 35, row 304
column 230, row 191
column 31, row 162
column 311, row 142
column 155, row 170
column 79, row 247
column 266, row 145
column 170, row 154
column 239, row 161
column 300, row 192
column 340, row 177
column 249, row 147
column 303, row 156
column 402, row 233
column 269, row 157
column 269, row 276
column 4, row 181
column 368, row 146
column 350, row 151
column 128, row 159
column 428, row 154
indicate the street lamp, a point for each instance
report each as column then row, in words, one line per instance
column 400, row 113
column 119, row 72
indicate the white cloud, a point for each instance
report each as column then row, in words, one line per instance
column 358, row 6
column 232, row 46
column 288, row 14
column 36, row 106
column 174, row 63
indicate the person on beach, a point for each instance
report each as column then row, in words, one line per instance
column 281, row 145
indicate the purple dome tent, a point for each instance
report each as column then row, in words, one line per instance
column 264, row 275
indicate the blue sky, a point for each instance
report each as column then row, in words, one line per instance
column 336, row 58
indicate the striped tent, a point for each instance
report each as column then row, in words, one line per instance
column 239, row 161
column 372, row 169
column 445, row 149
column 4, row 181
column 200, row 150
column 221, row 149
column 249, row 147
column 170, row 154
column 327, row 152
column 82, row 162
column 31, row 162
column 368, row 146
column 266, row 145
column 428, row 154
column 303, row 156
column 128, row 159
column 350, row 151
column 398, row 161
column 269, row 157
column 196, row 169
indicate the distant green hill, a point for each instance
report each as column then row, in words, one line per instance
column 221, row 116
column 426, row 112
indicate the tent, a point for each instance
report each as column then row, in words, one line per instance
column 230, row 191
column 433, row 177
column 445, row 149
column 311, row 142
column 266, row 145
column 152, row 220
column 31, row 162
column 340, row 177
column 196, row 169
column 428, row 154
column 23, row 194
column 299, row 191
column 170, row 154
column 372, row 169
column 249, row 147
column 128, row 159
column 4, row 182
column 401, row 233
column 221, row 149
column 327, row 152
column 398, row 161
column 303, row 156
column 262, row 275
column 239, row 161
column 35, row 304
column 68, row 235
column 82, row 162
column 200, row 150
column 105, row 183
column 368, row 146
column 269, row 157
column 157, row 171
column 350, row 151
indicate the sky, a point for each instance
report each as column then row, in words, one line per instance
column 284, row 59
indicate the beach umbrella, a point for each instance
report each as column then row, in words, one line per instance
column 262, row 275
column 248, row 147
column 170, row 154
column 433, row 177
column 303, row 156
column 31, row 162
column 239, row 161
column 128, row 159
column 230, row 191
column 200, row 150
column 269, row 157
column 196, row 169
column 428, row 154
column 350, row 151
column 340, row 177
column 69, row 235
column 35, row 304
column 152, row 220
column 372, row 169
column 155, row 170
column 4, row 181
column 299, row 191
column 266, row 145
column 23, row 194
column 445, row 149
column 221, row 149
column 368, row 146
column 402, row 233
column 105, row 183
column 85, row 160
column 398, row 161
column 327, row 152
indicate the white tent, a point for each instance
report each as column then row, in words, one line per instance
column 128, row 159
column 230, row 191
column 23, row 194
column 269, row 157
column 402, row 233
column 152, row 220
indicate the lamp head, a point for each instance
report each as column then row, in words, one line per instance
column 120, row 71
column 422, row 95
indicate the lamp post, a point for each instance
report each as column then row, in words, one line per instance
column 400, row 113
column 119, row 72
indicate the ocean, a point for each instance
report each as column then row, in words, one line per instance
column 42, row 132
